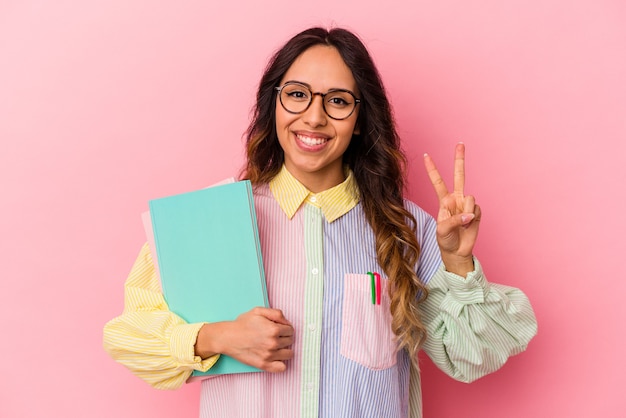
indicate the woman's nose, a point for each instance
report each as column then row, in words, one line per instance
column 315, row 115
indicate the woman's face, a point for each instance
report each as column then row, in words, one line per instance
column 313, row 142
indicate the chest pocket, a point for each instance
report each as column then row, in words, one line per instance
column 366, row 335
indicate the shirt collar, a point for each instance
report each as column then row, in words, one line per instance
column 334, row 202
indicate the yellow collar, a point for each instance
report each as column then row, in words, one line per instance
column 334, row 202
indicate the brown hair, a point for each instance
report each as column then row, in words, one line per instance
column 374, row 156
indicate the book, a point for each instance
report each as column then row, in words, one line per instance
column 147, row 227
column 209, row 258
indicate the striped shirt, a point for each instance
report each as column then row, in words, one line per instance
column 317, row 252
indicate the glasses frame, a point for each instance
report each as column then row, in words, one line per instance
column 313, row 94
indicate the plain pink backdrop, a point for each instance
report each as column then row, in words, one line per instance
column 105, row 105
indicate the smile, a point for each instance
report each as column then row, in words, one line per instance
column 310, row 141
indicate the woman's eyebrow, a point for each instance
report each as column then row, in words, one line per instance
column 311, row 88
column 299, row 82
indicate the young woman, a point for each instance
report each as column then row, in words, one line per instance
column 325, row 159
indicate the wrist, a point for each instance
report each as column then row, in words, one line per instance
column 459, row 265
column 207, row 342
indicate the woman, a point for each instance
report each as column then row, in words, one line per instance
column 325, row 159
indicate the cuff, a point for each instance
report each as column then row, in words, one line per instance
column 466, row 290
column 182, row 342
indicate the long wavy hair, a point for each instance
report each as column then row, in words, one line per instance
column 374, row 156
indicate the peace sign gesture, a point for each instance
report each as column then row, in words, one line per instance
column 458, row 216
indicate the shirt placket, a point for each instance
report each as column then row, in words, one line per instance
column 314, row 292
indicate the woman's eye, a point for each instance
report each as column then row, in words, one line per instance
column 297, row 94
column 338, row 101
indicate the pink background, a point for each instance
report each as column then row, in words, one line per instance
column 104, row 105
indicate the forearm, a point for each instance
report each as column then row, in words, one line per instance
column 152, row 342
column 475, row 326
column 155, row 346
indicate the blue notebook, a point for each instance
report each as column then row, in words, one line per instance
column 209, row 258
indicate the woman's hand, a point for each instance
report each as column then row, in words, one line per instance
column 458, row 217
column 260, row 337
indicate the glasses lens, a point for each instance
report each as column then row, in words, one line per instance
column 295, row 97
column 339, row 104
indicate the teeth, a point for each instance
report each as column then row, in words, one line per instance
column 311, row 141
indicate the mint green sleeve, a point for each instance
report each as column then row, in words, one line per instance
column 474, row 326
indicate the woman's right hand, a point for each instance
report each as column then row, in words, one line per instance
column 260, row 337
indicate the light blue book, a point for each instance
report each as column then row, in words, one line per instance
column 209, row 258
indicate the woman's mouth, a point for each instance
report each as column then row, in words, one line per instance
column 311, row 141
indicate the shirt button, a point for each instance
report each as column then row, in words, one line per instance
column 313, row 199
column 309, row 386
column 314, row 270
column 312, row 327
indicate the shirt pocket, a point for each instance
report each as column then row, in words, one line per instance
column 366, row 335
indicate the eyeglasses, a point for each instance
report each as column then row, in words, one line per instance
column 297, row 97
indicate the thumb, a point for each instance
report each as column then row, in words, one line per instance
column 446, row 226
column 275, row 315
column 466, row 218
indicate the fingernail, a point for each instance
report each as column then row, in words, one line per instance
column 467, row 218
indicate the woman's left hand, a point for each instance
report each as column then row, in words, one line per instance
column 458, row 217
